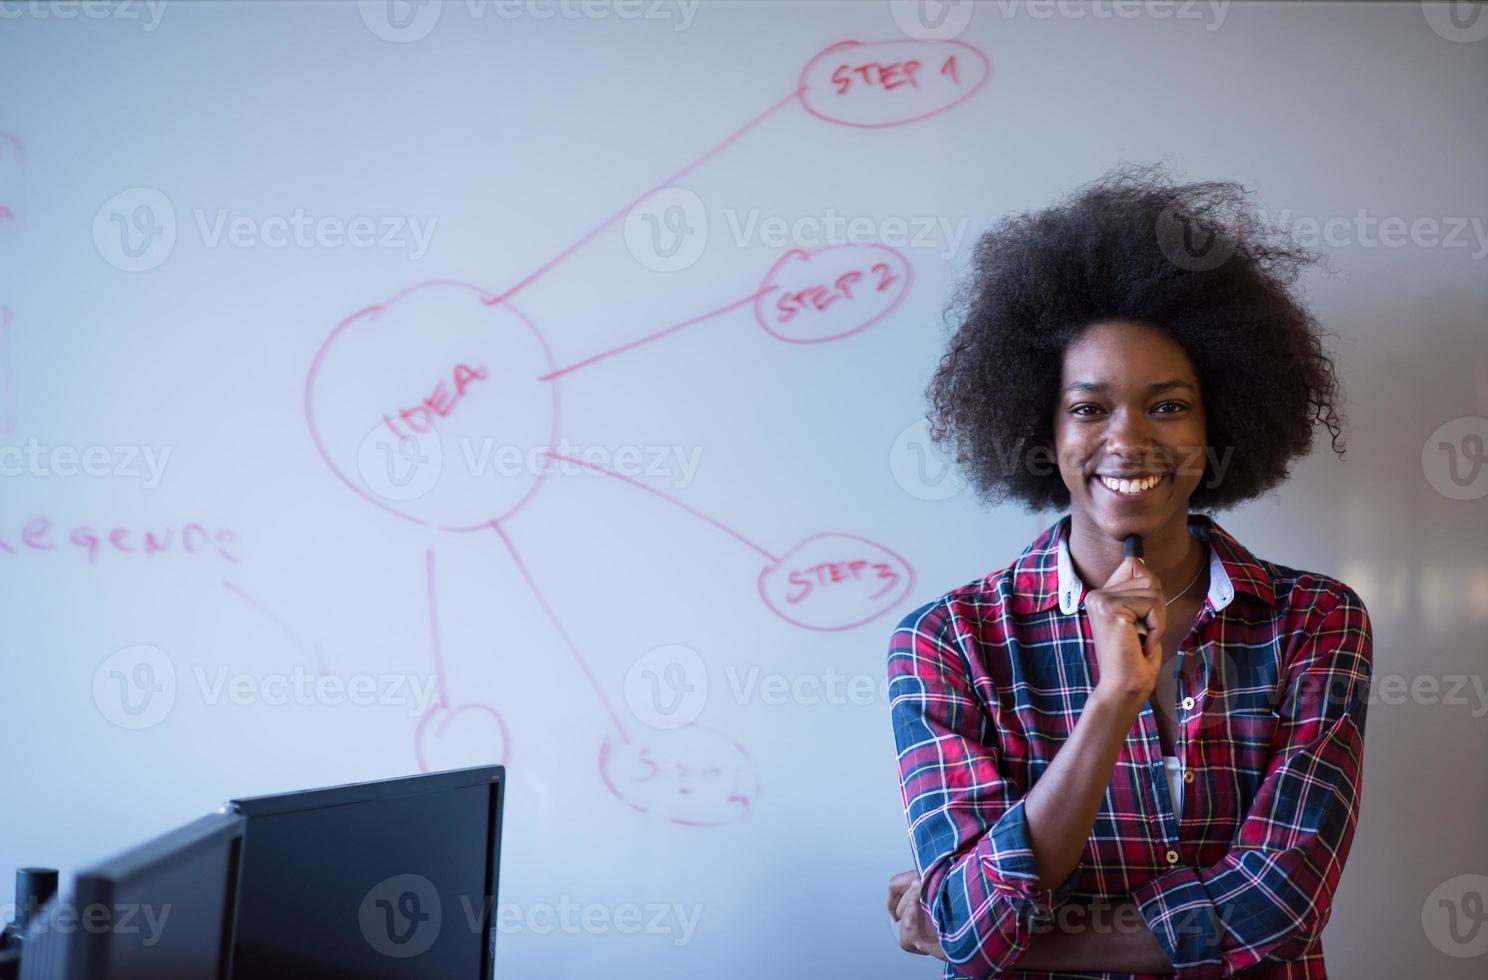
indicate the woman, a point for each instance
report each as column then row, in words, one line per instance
column 1083, row 801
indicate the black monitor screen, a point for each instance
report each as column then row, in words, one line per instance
column 162, row 911
column 376, row 881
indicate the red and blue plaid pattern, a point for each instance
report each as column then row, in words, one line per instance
column 987, row 681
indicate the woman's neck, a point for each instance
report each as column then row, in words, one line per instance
column 1173, row 554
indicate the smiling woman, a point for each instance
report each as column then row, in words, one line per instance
column 1183, row 801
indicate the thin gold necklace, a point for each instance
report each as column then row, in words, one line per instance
column 1202, row 566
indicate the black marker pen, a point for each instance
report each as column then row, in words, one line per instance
column 1131, row 546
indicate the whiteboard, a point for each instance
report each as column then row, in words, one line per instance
column 393, row 387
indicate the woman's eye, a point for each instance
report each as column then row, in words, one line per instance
column 1175, row 406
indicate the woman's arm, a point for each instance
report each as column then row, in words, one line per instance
column 1062, row 805
column 1269, row 896
column 1104, row 937
column 1117, row 939
column 995, row 862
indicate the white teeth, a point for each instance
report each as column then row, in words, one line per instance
column 1131, row 486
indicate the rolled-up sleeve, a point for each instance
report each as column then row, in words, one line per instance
column 1272, row 893
column 966, row 819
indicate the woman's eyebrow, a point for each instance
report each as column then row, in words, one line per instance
column 1155, row 386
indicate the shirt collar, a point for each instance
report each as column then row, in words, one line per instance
column 1043, row 576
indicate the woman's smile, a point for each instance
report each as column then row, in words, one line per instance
column 1133, row 490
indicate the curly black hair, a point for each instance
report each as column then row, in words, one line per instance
column 1123, row 248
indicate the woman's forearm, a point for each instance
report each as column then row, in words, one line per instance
column 1061, row 809
column 1104, row 936
column 1062, row 806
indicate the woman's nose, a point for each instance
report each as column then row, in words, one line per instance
column 1129, row 435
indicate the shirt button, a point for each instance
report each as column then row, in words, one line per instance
column 1188, row 776
column 1172, row 857
column 1188, row 704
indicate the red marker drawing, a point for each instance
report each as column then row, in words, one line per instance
column 312, row 652
column 400, row 392
column 452, row 736
column 690, row 775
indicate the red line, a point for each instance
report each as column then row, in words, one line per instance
column 572, row 647
column 267, row 613
column 657, row 335
column 668, row 497
column 434, row 629
column 541, row 271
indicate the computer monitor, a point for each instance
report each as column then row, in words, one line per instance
column 162, row 911
column 389, row 880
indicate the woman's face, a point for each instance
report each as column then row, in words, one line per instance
column 1129, row 404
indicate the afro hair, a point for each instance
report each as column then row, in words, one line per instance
column 1124, row 248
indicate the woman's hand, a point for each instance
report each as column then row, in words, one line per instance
column 1128, row 668
column 916, row 934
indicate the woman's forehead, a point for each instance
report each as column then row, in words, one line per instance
column 1120, row 354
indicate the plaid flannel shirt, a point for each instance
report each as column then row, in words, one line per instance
column 987, row 681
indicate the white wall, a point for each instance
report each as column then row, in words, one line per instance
column 507, row 141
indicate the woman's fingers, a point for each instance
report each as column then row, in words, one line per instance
column 916, row 935
column 898, row 885
column 909, row 900
column 910, row 935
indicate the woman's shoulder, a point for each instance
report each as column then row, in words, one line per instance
column 1320, row 616
column 1288, row 589
column 1298, row 592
